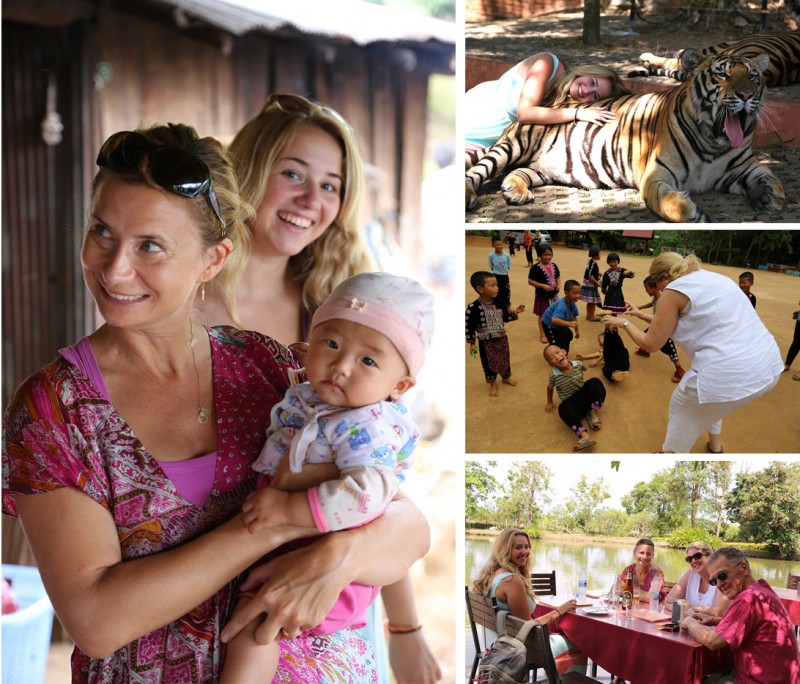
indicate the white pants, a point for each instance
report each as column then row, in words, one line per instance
column 688, row 418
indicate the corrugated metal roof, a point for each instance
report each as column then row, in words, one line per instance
column 646, row 234
column 361, row 22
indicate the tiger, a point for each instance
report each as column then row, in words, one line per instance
column 694, row 137
column 783, row 50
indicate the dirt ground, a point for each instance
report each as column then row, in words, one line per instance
column 635, row 412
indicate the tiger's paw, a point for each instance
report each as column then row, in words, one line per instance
column 471, row 198
column 678, row 207
column 515, row 190
column 768, row 195
column 649, row 59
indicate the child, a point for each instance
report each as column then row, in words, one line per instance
column 669, row 346
column 591, row 281
column 578, row 398
column 612, row 285
column 546, row 278
column 616, row 360
column 561, row 316
column 746, row 281
column 499, row 265
column 367, row 343
column 484, row 324
column 528, row 242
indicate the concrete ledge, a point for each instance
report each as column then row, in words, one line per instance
column 782, row 122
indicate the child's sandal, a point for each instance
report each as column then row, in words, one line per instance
column 583, row 443
column 595, row 423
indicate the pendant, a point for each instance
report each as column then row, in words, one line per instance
column 202, row 415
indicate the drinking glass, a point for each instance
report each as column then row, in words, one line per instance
column 634, row 606
column 627, row 606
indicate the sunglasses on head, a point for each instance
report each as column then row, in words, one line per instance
column 721, row 577
column 288, row 102
column 171, row 168
column 695, row 556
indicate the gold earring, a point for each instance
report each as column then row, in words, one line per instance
column 202, row 292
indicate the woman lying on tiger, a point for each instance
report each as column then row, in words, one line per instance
column 530, row 92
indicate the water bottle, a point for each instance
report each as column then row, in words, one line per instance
column 615, row 592
column 583, row 579
column 655, row 593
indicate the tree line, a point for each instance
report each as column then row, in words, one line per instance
column 688, row 500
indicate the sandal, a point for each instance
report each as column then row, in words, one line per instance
column 583, row 443
column 711, row 451
column 796, row 376
column 595, row 423
column 642, row 352
column 596, row 319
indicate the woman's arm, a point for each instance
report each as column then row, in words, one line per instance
column 409, row 653
column 300, row 587
column 679, row 590
column 662, row 325
column 512, row 591
column 105, row 603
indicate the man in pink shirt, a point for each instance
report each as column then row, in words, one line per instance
column 756, row 626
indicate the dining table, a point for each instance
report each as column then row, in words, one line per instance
column 634, row 645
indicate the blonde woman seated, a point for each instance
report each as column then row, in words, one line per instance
column 506, row 576
column 535, row 92
column 694, row 585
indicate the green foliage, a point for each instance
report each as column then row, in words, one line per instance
column 610, row 523
column 765, row 505
column 732, row 532
column 586, row 498
column 440, row 9
column 683, row 536
column 479, row 486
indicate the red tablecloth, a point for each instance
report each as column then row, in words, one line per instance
column 638, row 651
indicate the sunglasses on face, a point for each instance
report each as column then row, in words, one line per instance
column 721, row 577
column 295, row 103
column 695, row 556
column 171, row 168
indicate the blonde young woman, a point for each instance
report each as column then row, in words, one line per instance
column 298, row 165
column 506, row 576
column 734, row 357
column 694, row 584
column 534, row 91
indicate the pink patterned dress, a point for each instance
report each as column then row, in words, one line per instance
column 61, row 431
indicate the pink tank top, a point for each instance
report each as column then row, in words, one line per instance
column 194, row 477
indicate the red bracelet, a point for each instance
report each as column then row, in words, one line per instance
column 402, row 629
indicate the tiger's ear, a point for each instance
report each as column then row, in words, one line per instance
column 690, row 58
column 761, row 62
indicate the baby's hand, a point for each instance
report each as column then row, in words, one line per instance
column 263, row 508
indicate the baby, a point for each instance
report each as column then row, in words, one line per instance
column 366, row 345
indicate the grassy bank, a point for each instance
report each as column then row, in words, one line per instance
column 751, row 550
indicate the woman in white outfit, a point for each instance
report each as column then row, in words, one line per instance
column 734, row 357
column 693, row 584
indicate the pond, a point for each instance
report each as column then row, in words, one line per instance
column 604, row 560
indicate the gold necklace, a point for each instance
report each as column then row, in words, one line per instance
column 203, row 413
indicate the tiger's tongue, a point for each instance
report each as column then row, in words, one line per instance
column 733, row 129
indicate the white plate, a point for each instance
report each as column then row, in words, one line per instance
column 598, row 611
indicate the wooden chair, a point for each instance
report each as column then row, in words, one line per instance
column 668, row 586
column 480, row 610
column 544, row 583
column 539, row 653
